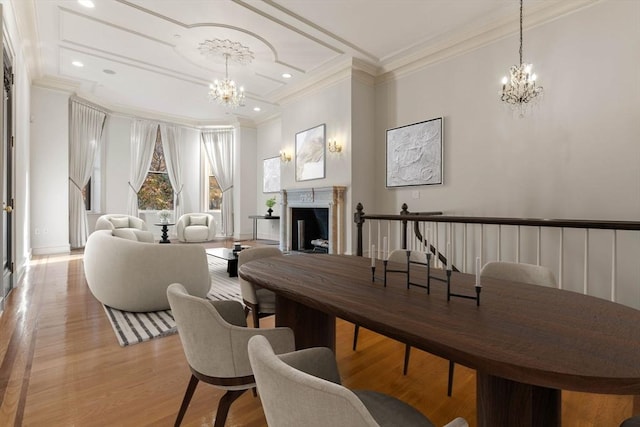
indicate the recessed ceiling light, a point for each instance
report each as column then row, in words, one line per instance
column 256, row 108
column 286, row 75
column 87, row 3
column 108, row 71
column 77, row 64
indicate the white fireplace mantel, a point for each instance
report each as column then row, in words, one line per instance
column 322, row 197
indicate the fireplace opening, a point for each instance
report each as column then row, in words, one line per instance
column 309, row 225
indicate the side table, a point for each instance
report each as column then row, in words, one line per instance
column 165, row 230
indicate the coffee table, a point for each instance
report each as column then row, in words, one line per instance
column 230, row 255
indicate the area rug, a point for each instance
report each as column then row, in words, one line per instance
column 134, row 328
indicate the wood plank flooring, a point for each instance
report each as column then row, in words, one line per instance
column 61, row 365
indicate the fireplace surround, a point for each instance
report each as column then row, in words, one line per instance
column 331, row 198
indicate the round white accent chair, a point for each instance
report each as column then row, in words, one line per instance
column 118, row 221
column 196, row 227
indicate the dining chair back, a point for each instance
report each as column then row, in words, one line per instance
column 214, row 338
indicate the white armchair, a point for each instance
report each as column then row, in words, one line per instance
column 118, row 221
column 196, row 227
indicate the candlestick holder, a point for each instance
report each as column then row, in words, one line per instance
column 452, row 294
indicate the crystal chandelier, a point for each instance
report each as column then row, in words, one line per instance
column 520, row 89
column 226, row 91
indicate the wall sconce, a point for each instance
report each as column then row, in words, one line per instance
column 284, row 157
column 334, row 147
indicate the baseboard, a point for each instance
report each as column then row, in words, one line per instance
column 52, row 250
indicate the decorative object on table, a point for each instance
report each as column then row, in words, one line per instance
column 520, row 90
column 270, row 204
column 226, row 92
column 310, row 154
column 271, row 175
column 414, row 154
column 164, row 216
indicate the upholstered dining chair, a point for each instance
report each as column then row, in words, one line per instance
column 261, row 302
column 631, row 422
column 303, row 388
column 214, row 338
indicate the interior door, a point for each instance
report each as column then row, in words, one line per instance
column 6, row 173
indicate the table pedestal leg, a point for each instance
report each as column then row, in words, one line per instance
column 503, row 402
column 311, row 328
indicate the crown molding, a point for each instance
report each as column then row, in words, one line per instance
column 24, row 14
column 408, row 62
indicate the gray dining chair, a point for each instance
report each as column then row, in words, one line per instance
column 631, row 422
column 260, row 302
column 214, row 338
column 303, row 388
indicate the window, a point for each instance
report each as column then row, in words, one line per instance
column 156, row 192
column 86, row 195
column 212, row 194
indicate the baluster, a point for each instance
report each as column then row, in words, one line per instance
column 389, row 232
column 378, row 247
column 613, row 266
column 499, row 254
column 464, row 248
column 586, row 262
column 436, row 243
column 369, row 246
column 561, row 261
column 518, row 244
column 539, row 248
column 481, row 244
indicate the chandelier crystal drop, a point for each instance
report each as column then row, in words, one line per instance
column 226, row 91
column 519, row 90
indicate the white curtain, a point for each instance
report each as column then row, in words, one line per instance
column 85, row 140
column 218, row 145
column 143, row 139
column 172, row 137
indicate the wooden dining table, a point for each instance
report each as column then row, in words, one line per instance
column 526, row 342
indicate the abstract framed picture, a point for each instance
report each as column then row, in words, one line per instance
column 414, row 154
column 310, row 154
column 271, row 175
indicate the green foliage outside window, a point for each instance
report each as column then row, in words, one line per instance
column 156, row 192
column 215, row 194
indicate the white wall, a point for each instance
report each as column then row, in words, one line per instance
column 49, row 171
column 269, row 137
column 577, row 156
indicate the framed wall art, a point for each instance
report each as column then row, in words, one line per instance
column 310, row 154
column 271, row 175
column 414, row 154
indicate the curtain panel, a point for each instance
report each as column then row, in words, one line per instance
column 172, row 137
column 85, row 140
column 143, row 138
column 218, row 145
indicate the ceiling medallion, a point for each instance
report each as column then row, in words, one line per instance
column 226, row 91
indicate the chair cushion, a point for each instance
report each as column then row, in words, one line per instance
column 196, row 233
column 391, row 412
column 267, row 300
column 120, row 222
column 198, row 220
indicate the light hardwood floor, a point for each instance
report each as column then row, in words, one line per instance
column 60, row 365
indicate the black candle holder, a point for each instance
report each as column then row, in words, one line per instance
column 451, row 294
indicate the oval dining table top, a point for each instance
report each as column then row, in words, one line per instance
column 526, row 333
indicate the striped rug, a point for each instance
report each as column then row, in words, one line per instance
column 133, row 328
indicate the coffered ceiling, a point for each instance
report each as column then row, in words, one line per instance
column 143, row 57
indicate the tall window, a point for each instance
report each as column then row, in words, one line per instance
column 156, row 193
column 212, row 192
